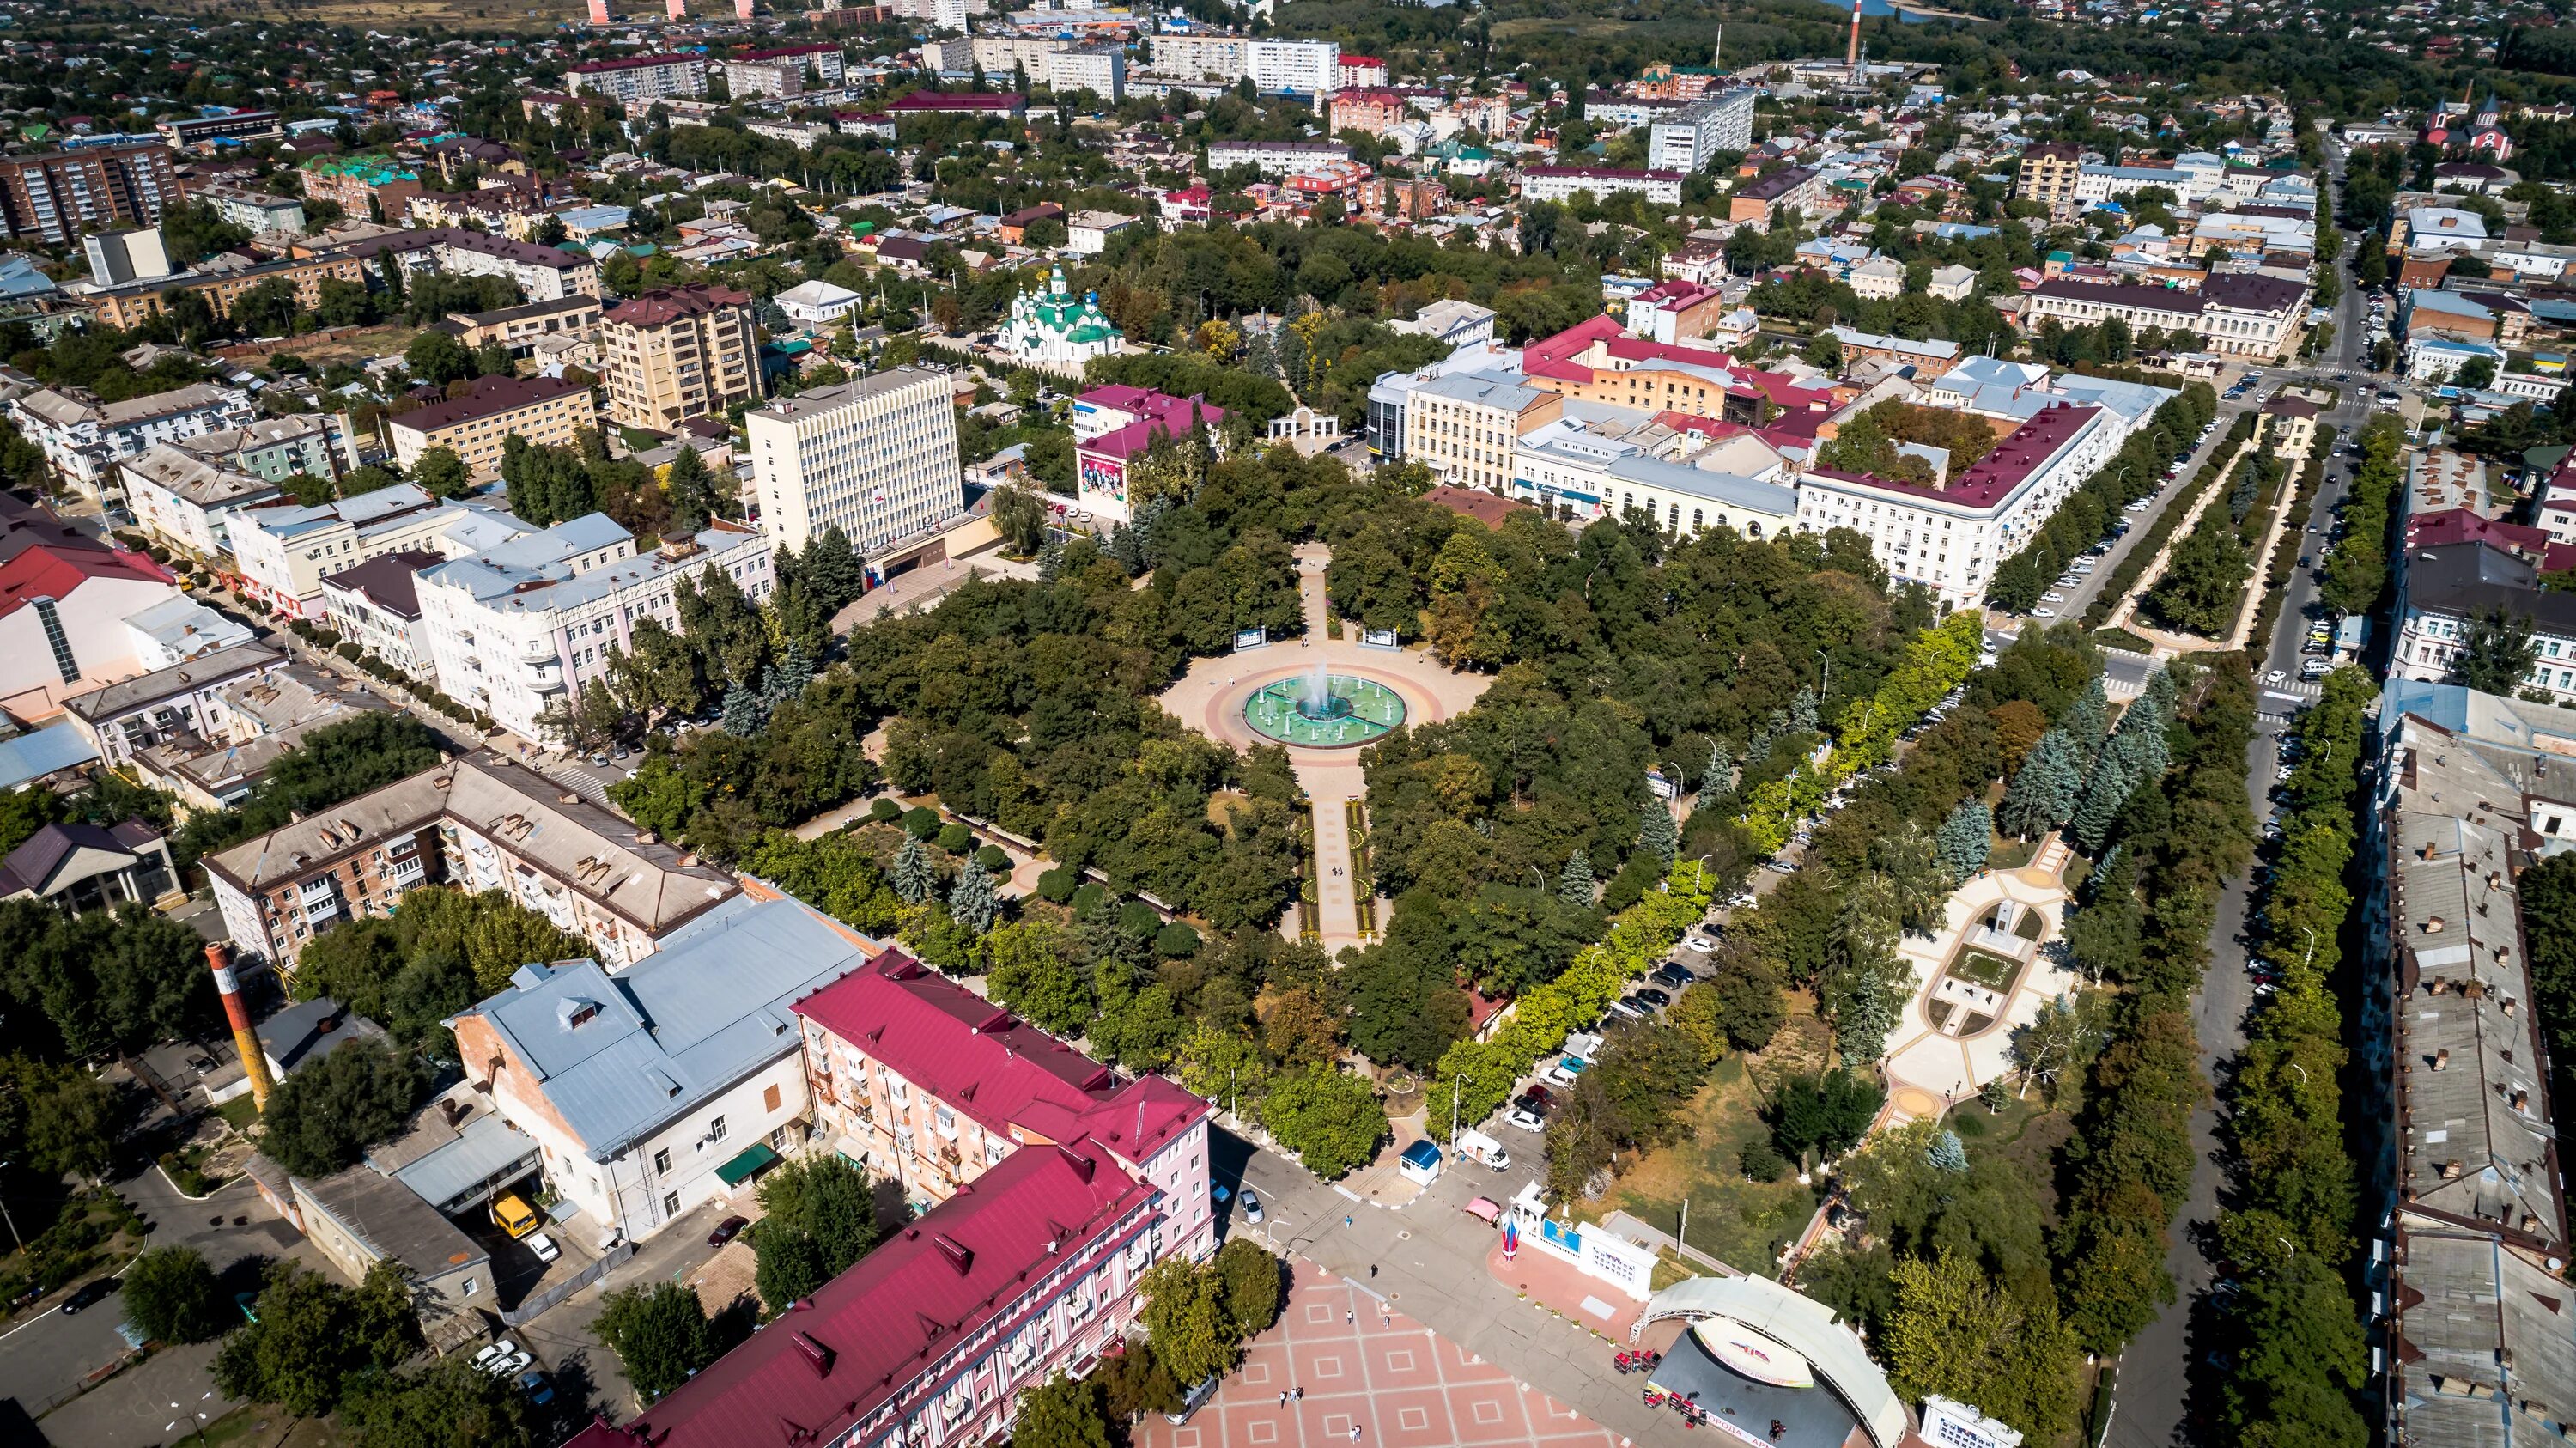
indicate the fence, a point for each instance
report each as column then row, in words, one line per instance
column 547, row 1299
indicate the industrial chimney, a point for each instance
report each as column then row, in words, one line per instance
column 219, row 959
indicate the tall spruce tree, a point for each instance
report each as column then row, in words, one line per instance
column 2087, row 719
column 1720, row 775
column 2043, row 792
column 915, row 878
column 1575, row 886
column 1656, row 834
column 1965, row 838
column 971, row 899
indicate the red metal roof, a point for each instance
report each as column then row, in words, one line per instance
column 1996, row 475
column 881, row 1330
column 47, row 571
column 990, row 1065
column 654, row 309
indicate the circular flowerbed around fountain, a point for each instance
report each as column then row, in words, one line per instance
column 1318, row 710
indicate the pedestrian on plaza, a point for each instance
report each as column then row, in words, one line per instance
column 1349, row 1317
column 1372, row 1271
column 1283, row 1400
column 1346, row 1221
column 1355, row 1432
column 1298, row 1393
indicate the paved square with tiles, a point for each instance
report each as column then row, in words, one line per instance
column 1401, row 1384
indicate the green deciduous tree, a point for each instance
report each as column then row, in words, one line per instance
column 820, row 1217
column 172, row 1295
column 324, row 1115
column 1063, row 1412
column 1330, row 1118
column 660, row 1334
column 1185, row 1318
column 315, row 1339
column 2497, row 652
column 442, row 473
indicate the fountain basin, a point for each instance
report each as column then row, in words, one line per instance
column 1324, row 711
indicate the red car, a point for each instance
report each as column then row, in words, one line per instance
column 727, row 1230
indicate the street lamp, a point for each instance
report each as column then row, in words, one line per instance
column 12, row 1221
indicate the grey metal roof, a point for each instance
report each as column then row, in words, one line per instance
column 144, row 690
column 618, row 1057
column 488, row 1147
column 41, row 752
column 393, row 1222
column 1727, row 488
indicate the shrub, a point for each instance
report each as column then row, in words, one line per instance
column 1176, row 941
column 1091, row 896
column 1763, row 1162
column 885, row 811
column 921, row 822
column 1057, row 885
column 349, row 651
column 956, row 839
column 995, row 860
column 1138, row 921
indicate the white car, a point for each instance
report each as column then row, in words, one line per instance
column 544, row 1246
column 1525, row 1119
column 1699, row 943
column 2276, row 678
column 2043, row 613
column 2052, row 598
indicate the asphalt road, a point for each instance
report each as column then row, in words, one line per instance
column 2153, row 1393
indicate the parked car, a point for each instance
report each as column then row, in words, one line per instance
column 1537, row 1098
column 1197, row 1399
column 1672, row 976
column 1476, row 1146
column 2276, row 678
column 1652, row 997
column 544, row 1246
column 1525, row 1120
column 2041, row 613
column 727, row 1230
column 89, row 1294
column 1251, row 1204
column 533, row 1383
column 495, row 1353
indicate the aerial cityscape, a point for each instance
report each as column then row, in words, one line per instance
column 1522, row 723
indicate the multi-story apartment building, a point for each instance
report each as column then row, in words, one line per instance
column 1198, row 57
column 63, row 609
column 546, row 410
column 875, row 457
column 54, row 196
column 478, row 822
column 679, row 353
column 1060, row 63
column 203, row 131
column 782, row 72
column 257, row 210
column 542, row 273
column 637, row 81
column 519, row 329
column 186, row 502
column 517, row 629
column 2444, row 588
column 1950, row 539
column 922, row 1080
column 188, row 698
column 275, row 448
column 1372, row 112
column 2241, row 314
column 1466, row 425
column 84, row 438
column 2048, row 174
column 1686, row 139
column 1298, row 67
column 2466, row 1265
column 1273, row 158
column 282, row 552
column 137, row 302
column 1597, row 361
column 376, row 605
column 1560, row 183
column 1760, row 202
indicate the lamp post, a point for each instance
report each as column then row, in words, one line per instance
column 12, row 1221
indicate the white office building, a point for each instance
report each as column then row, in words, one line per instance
column 1684, row 141
column 284, row 552
column 876, row 457
column 518, row 629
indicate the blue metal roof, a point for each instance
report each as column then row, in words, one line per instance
column 25, row 757
column 621, row 1056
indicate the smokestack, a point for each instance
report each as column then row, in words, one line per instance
column 599, row 14
column 679, row 10
column 219, row 959
column 1851, row 56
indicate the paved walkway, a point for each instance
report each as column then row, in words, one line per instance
column 2122, row 616
column 1364, row 1366
column 1931, row 1065
column 1209, row 698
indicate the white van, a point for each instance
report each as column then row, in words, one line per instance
column 1477, row 1146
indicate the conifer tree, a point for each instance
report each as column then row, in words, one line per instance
column 1965, row 838
column 1656, row 834
column 1575, row 886
column 915, row 878
column 971, row 899
column 2043, row 793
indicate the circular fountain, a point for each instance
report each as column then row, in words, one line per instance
column 1322, row 710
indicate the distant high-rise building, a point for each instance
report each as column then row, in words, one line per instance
column 56, row 195
column 742, row 9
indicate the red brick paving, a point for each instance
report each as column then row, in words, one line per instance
column 1405, row 1386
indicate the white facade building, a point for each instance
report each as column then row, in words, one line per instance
column 1684, row 140
column 84, row 438
column 1274, row 158
column 875, row 457
column 188, row 503
column 639, row 80
column 1305, row 67
column 1950, row 539
column 282, row 553
column 1560, row 183
column 517, row 629
column 1054, row 330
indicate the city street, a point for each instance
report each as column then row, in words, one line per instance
column 2153, row 1390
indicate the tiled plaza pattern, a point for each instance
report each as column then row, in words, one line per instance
column 1402, row 1385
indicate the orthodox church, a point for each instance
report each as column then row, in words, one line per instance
column 1055, row 327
